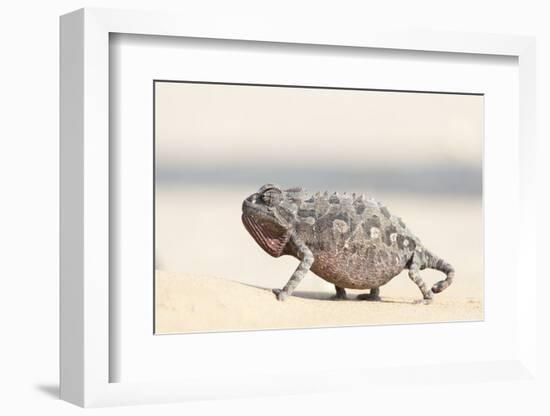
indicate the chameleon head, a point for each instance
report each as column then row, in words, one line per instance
column 268, row 215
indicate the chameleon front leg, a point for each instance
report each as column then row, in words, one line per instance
column 306, row 260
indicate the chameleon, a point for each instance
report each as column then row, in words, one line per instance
column 349, row 240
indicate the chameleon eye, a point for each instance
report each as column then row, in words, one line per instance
column 272, row 197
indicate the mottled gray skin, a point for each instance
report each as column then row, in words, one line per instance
column 351, row 241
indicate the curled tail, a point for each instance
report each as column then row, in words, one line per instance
column 434, row 262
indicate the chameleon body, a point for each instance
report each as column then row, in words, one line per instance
column 351, row 241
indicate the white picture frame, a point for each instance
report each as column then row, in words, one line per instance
column 86, row 356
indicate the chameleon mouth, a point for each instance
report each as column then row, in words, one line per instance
column 270, row 243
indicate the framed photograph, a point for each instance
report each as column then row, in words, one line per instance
column 247, row 212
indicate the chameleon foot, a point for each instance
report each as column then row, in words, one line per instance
column 340, row 294
column 369, row 296
column 339, row 297
column 280, row 294
column 425, row 301
column 374, row 295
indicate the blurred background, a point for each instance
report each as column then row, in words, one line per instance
column 419, row 153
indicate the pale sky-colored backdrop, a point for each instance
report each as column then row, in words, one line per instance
column 315, row 126
column 420, row 153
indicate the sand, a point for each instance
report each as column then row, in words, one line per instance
column 190, row 303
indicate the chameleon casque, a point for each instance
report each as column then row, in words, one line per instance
column 348, row 240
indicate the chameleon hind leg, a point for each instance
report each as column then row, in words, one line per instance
column 373, row 295
column 414, row 275
column 340, row 293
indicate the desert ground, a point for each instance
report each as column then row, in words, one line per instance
column 197, row 304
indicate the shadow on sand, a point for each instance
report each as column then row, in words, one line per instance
column 325, row 296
